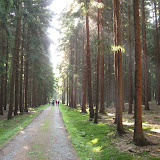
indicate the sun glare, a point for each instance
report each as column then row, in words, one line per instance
column 57, row 6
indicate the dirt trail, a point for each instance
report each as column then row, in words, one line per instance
column 44, row 139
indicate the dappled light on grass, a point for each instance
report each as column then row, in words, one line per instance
column 132, row 130
column 91, row 141
column 97, row 149
column 110, row 114
column 94, row 141
column 102, row 124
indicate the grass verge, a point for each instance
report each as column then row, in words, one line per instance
column 9, row 128
column 93, row 141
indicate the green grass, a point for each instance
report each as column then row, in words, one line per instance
column 93, row 141
column 9, row 128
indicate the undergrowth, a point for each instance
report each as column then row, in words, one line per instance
column 93, row 141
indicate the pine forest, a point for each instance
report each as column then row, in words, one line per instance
column 109, row 69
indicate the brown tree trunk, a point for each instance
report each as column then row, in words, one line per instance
column 157, row 57
column 2, row 77
column 120, row 88
column 101, row 58
column 76, row 78
column 26, row 87
column 89, row 69
column 6, row 76
column 138, row 132
column 64, row 91
column 145, row 55
column 1, row 95
column 14, row 71
column 26, row 73
column 84, row 87
column 98, row 60
column 130, row 62
column 21, row 102
column 118, row 67
column 71, row 77
column 67, row 89
column 18, row 31
column 115, row 61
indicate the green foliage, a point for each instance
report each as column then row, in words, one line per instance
column 92, row 141
column 118, row 48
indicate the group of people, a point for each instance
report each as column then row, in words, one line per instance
column 57, row 102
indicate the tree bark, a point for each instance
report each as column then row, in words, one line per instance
column 138, row 132
column 6, row 76
column 145, row 55
column 120, row 88
column 18, row 32
column 76, row 78
column 157, row 56
column 2, row 77
column 98, row 60
column 102, row 59
column 118, row 66
column 130, row 62
column 26, row 73
column 89, row 68
column 115, row 61
column 84, row 87
column 67, row 89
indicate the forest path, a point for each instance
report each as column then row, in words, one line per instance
column 43, row 139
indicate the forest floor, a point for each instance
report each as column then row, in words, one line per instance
column 45, row 138
column 151, row 129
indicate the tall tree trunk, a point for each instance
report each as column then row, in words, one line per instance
column 101, row 58
column 26, row 73
column 64, row 98
column 130, row 62
column 2, row 77
column 115, row 61
column 13, row 76
column 84, row 87
column 18, row 31
column 6, row 76
column 21, row 102
column 120, row 129
column 145, row 55
column 157, row 56
column 138, row 132
column 98, row 60
column 71, row 77
column 76, row 78
column 34, row 91
column 89, row 69
column 1, row 95
column 67, row 90
column 21, row 84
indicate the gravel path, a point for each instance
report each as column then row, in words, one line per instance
column 44, row 139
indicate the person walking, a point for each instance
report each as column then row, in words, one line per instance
column 56, row 103
column 53, row 102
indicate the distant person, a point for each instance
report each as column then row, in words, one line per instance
column 58, row 103
column 53, row 102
